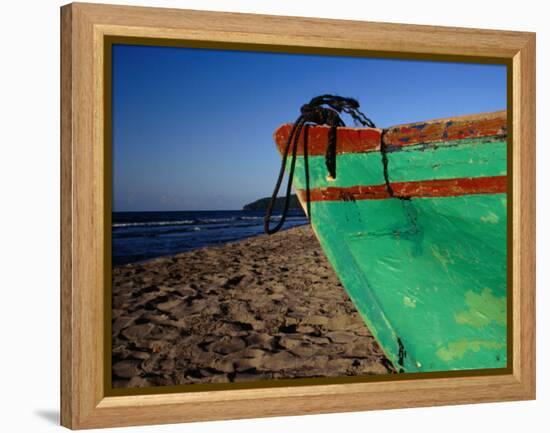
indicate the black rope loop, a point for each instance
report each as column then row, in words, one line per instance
column 321, row 110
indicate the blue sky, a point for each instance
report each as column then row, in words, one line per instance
column 192, row 128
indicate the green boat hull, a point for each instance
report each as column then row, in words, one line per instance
column 426, row 270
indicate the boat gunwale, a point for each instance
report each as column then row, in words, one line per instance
column 397, row 137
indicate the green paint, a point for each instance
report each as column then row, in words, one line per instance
column 491, row 218
column 352, row 169
column 483, row 308
column 409, row 302
column 430, row 253
column 429, row 271
column 457, row 349
column 470, row 158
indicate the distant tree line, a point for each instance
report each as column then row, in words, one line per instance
column 261, row 204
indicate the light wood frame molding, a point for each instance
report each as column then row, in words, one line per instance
column 84, row 403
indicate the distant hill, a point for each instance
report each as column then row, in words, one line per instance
column 261, row 204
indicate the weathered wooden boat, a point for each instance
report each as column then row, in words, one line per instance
column 415, row 226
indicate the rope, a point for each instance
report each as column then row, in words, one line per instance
column 321, row 110
column 384, row 153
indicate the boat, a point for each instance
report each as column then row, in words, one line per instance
column 415, row 226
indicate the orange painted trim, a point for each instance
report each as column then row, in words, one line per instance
column 457, row 128
column 349, row 140
column 360, row 140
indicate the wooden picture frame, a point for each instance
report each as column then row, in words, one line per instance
column 85, row 182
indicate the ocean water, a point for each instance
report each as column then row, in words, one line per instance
column 139, row 236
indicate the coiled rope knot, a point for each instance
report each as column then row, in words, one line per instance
column 321, row 110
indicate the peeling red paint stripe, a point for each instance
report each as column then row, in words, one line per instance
column 458, row 128
column 360, row 140
column 418, row 189
column 350, row 140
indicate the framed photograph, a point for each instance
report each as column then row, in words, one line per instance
column 266, row 215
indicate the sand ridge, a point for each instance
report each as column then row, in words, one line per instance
column 261, row 308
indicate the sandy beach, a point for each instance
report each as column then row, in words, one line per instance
column 256, row 309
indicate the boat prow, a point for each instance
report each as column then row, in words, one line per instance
column 415, row 226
